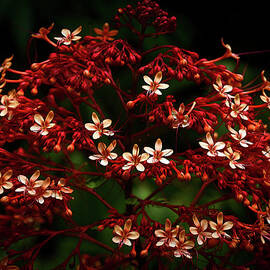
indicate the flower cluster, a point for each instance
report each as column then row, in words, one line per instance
column 68, row 140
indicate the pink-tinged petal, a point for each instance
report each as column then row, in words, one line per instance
column 204, row 224
column 242, row 133
column 196, row 221
column 127, row 242
column 23, row 179
column 140, row 167
column 167, row 152
column 193, row 230
column 168, row 225
column 244, row 117
column 226, row 235
column 47, row 193
column 117, row 239
column 232, row 130
column 188, row 245
column 35, row 128
column 147, row 79
column 215, row 235
column 35, row 175
column 144, row 157
column 158, row 145
column 133, row 235
column 127, row 225
column 50, row 125
column 39, row 119
column 117, row 230
column 204, row 145
column 159, row 93
column 4, row 112
column 90, row 126
column 1, row 190
column 160, row 233
column 31, row 192
column 103, row 162
column 8, row 185
column 96, row 135
column 164, row 161
column 240, row 166
column 127, row 166
column 44, row 132
column 227, row 88
column 106, row 123
column 209, row 138
column 237, row 99
column 102, row 148
column 152, row 160
column 227, row 225
column 146, row 87
column 213, row 225
column 158, row 77
column 220, row 218
column 172, row 242
column 108, row 132
column 95, row 157
column 163, row 86
column 77, row 31
column 65, row 32
column 177, row 253
column 95, row 118
column 112, row 145
column 211, row 154
column 161, row 242
column 112, row 156
column 219, row 145
column 7, row 175
column 127, row 156
column 40, row 200
column 200, row 240
column 67, row 42
column 38, row 183
column 149, row 150
column 76, row 38
column 49, row 117
column 20, row 189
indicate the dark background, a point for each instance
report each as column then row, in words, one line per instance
column 200, row 24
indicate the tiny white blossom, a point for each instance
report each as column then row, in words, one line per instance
column 239, row 136
column 68, row 37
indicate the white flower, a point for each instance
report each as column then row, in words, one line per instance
column 99, row 127
column 183, row 246
column 233, row 157
column 267, row 152
column 237, row 107
column 4, row 183
column 167, row 236
column 42, row 125
column 105, row 153
column 8, row 102
column 59, row 189
column 68, row 36
column 239, row 136
column 42, row 191
column 265, row 99
column 223, row 89
column 200, row 230
column 154, row 87
column 157, row 154
column 212, row 147
column 220, row 227
column 29, row 185
column 135, row 159
column 123, row 236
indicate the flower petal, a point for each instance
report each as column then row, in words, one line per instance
column 147, row 79
column 95, row 118
column 133, row 235
column 39, row 119
column 149, row 150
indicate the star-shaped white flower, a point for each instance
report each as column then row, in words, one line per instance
column 237, row 108
column 8, row 102
column 158, row 155
column 99, row 127
column 155, row 86
column 223, row 90
column 233, row 157
column 123, row 236
column 239, row 136
column 68, row 37
column 105, row 153
column 265, row 99
column 29, row 185
column 220, row 227
column 212, row 147
column 183, row 246
column 42, row 125
column 135, row 159
column 4, row 181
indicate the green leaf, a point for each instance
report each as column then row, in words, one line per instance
column 131, row 201
column 95, row 182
